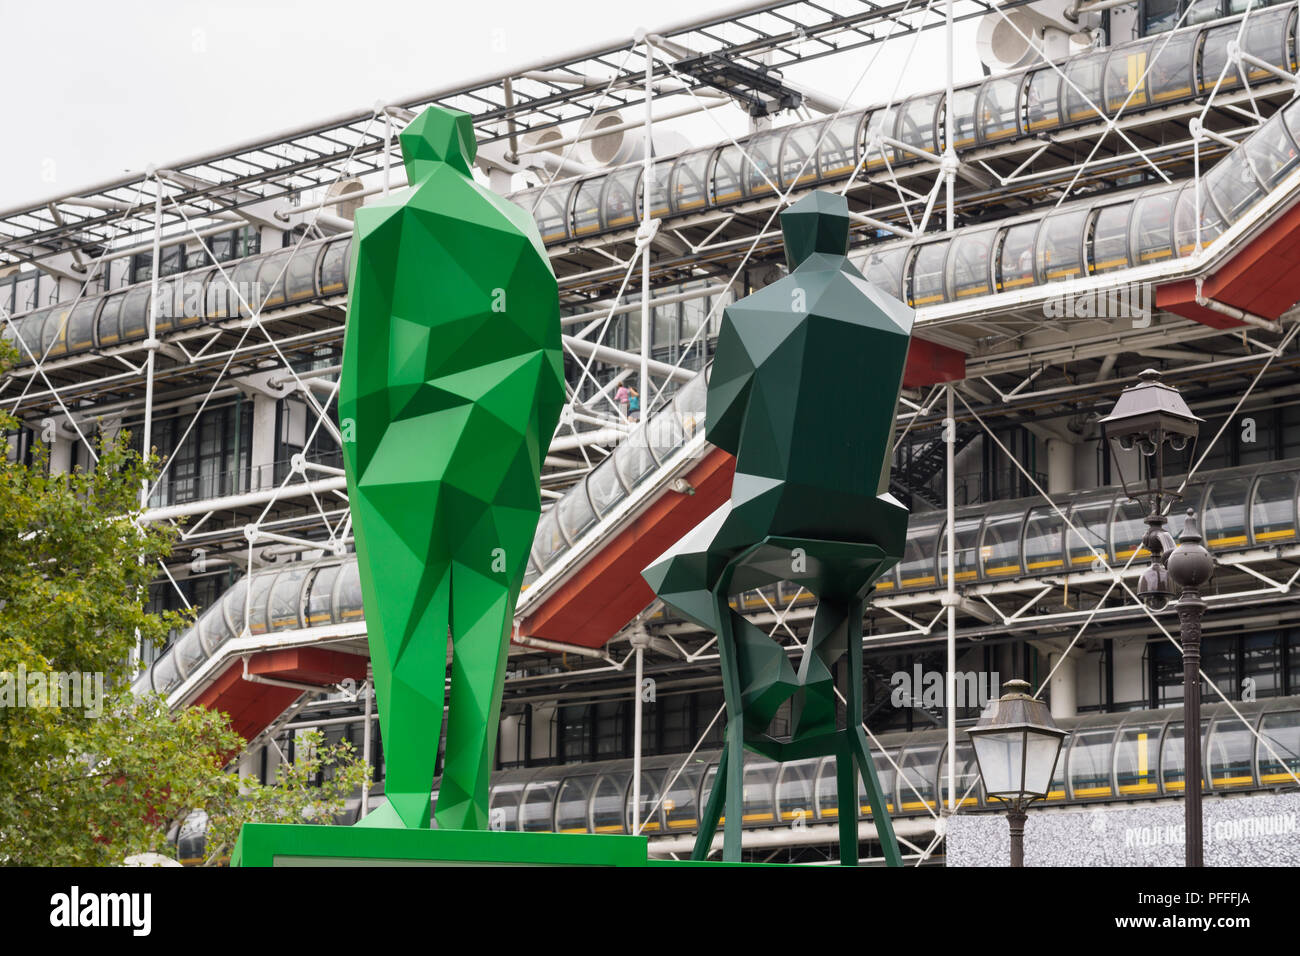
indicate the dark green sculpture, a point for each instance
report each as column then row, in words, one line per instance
column 803, row 392
column 452, row 385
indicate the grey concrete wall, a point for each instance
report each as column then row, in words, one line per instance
column 1245, row 831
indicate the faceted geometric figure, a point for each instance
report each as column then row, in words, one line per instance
column 803, row 393
column 452, row 385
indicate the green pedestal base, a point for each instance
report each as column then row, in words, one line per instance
column 278, row 844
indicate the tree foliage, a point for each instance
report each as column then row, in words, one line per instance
column 91, row 785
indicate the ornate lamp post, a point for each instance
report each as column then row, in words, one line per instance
column 1016, row 747
column 1148, row 416
column 1190, row 568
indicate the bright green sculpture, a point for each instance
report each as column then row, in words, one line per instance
column 803, row 392
column 452, row 385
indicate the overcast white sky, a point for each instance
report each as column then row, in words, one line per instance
column 93, row 90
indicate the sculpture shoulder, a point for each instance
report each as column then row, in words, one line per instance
column 448, row 193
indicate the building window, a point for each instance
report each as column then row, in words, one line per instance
column 222, row 246
column 611, row 730
column 212, row 460
column 170, row 261
column 706, row 707
column 575, row 734
column 8, row 293
column 675, row 724
column 1219, row 661
column 1261, row 663
column 248, row 242
column 1158, row 16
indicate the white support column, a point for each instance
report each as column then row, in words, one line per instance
column 367, row 731
column 60, row 448
column 1060, row 466
column 948, row 167
column 264, row 442
column 543, row 735
column 647, row 177
column 636, row 736
column 248, row 764
column 388, row 152
column 1062, row 690
column 950, row 598
column 948, row 164
column 151, row 341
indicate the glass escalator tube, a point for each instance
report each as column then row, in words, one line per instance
column 585, row 215
column 727, row 174
column 762, row 165
column 300, row 276
column 1000, row 544
column 1124, row 86
column 1107, row 241
column 1273, row 508
column 1060, row 249
column 883, row 266
column 1171, row 77
column 26, row 333
column 916, row 124
column 1232, row 185
column 1081, row 88
column 688, row 183
column 1151, row 226
column 841, row 146
column 54, row 336
column 619, row 198
column 796, row 169
column 1185, row 220
column 963, row 109
column 969, row 265
column 998, row 108
column 926, row 274
column 1132, row 755
column 966, row 532
column 1014, row 253
column 81, row 324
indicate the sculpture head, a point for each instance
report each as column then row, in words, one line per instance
column 819, row 222
column 437, row 136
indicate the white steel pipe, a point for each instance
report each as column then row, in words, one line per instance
column 613, row 356
column 600, row 313
column 950, row 682
column 250, row 499
column 647, row 190
column 151, row 342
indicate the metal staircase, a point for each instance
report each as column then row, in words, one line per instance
column 913, row 471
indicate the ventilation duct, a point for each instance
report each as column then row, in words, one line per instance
column 1025, row 35
column 345, row 208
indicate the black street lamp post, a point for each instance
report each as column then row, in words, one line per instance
column 1148, row 416
column 1191, row 566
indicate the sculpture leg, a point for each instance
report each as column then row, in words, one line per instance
column 879, row 805
column 482, row 611
column 712, row 810
column 409, row 657
column 857, row 741
column 735, row 734
column 847, row 803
